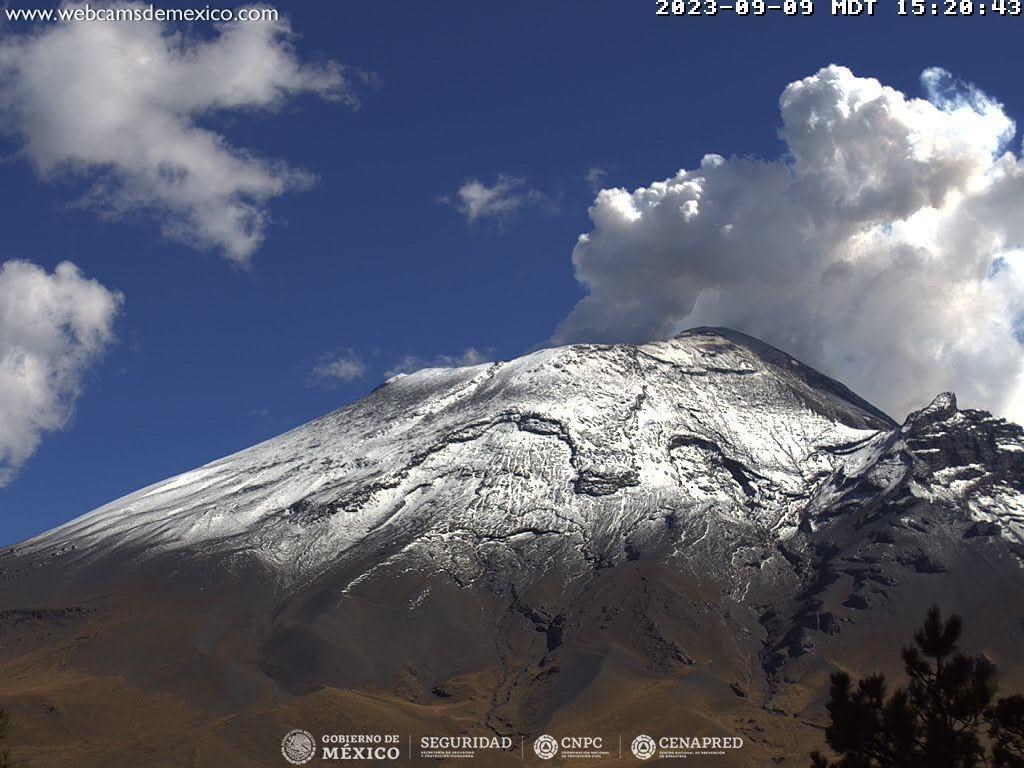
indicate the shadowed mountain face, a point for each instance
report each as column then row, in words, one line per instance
column 682, row 538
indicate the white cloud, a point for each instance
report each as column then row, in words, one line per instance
column 53, row 327
column 885, row 248
column 476, row 200
column 120, row 104
column 412, row 363
column 346, row 366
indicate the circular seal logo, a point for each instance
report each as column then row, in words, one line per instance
column 546, row 747
column 298, row 747
column 643, row 747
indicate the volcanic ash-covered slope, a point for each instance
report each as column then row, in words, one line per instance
column 582, row 447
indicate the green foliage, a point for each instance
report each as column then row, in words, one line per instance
column 944, row 717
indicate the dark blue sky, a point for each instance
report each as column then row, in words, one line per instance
column 212, row 358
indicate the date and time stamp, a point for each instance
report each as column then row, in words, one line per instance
column 837, row 7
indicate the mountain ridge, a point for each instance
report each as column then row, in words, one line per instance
column 447, row 407
column 588, row 539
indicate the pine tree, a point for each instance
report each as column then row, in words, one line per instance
column 943, row 718
column 5, row 722
column 1006, row 729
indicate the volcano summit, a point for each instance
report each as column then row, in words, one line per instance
column 689, row 534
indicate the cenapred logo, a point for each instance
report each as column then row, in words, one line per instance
column 643, row 747
column 298, row 746
column 546, row 747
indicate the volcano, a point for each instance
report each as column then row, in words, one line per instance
column 683, row 538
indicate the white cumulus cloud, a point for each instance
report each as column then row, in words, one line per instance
column 885, row 248
column 120, row 103
column 53, row 327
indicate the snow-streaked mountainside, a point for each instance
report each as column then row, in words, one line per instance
column 578, row 451
column 685, row 536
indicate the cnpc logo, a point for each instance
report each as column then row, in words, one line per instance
column 546, row 746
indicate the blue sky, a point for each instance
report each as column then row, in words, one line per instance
column 211, row 357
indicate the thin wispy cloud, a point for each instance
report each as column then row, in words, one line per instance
column 885, row 248
column 413, row 363
column 53, row 328
column 121, row 105
column 344, row 367
column 506, row 196
column 595, row 177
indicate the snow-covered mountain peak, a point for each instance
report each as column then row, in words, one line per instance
column 515, row 544
column 942, row 408
column 580, row 446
